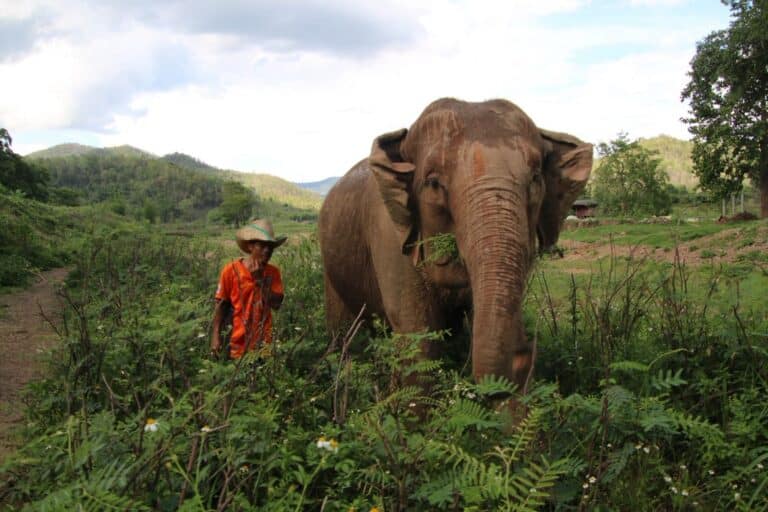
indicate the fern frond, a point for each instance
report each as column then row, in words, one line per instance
column 524, row 435
column 617, row 461
column 694, row 426
column 472, row 471
column 655, row 417
column 534, row 481
column 665, row 381
column 490, row 385
column 465, row 414
column 629, row 366
column 406, row 394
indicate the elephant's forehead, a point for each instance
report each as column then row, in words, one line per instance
column 448, row 129
column 478, row 159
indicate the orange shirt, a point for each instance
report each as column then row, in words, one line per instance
column 251, row 321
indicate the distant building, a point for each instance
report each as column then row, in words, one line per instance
column 584, row 208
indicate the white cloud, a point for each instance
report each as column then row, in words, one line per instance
column 310, row 112
column 657, row 3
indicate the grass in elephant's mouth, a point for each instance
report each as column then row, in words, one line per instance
column 441, row 247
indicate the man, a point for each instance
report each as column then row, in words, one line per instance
column 252, row 287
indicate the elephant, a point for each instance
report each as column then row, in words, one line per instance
column 481, row 172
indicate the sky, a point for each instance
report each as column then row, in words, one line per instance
column 300, row 88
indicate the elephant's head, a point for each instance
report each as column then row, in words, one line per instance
column 486, row 174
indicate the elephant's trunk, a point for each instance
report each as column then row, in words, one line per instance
column 496, row 245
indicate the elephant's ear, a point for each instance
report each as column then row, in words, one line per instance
column 566, row 171
column 394, row 176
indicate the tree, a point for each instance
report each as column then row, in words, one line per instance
column 728, row 95
column 629, row 180
column 237, row 205
column 16, row 174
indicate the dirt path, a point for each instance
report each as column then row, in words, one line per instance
column 721, row 247
column 24, row 336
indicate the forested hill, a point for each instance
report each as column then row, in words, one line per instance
column 280, row 190
column 188, row 162
column 63, row 150
column 263, row 185
column 675, row 157
column 137, row 186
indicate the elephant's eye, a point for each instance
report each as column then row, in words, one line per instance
column 432, row 182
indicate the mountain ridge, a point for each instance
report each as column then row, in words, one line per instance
column 265, row 185
column 321, row 187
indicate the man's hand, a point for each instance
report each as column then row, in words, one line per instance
column 215, row 344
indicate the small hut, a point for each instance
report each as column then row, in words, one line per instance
column 584, row 208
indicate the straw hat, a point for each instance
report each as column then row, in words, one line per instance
column 258, row 229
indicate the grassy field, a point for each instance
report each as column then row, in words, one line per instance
column 648, row 393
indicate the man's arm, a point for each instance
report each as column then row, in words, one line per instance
column 218, row 317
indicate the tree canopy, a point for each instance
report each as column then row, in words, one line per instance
column 728, row 95
column 237, row 206
column 629, row 179
column 18, row 175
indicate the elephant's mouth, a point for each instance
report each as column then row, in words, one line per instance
column 445, row 260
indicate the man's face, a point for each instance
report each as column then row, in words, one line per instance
column 260, row 251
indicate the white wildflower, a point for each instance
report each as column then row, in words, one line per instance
column 667, row 479
column 151, row 425
column 585, row 486
column 646, row 449
column 412, row 404
column 673, row 489
column 759, row 465
column 592, row 479
column 328, row 444
column 737, row 496
column 683, row 467
column 471, row 396
column 206, row 429
column 201, row 335
column 711, row 472
column 684, row 492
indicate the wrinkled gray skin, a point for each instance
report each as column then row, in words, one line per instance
column 481, row 171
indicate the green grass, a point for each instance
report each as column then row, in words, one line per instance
column 652, row 235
